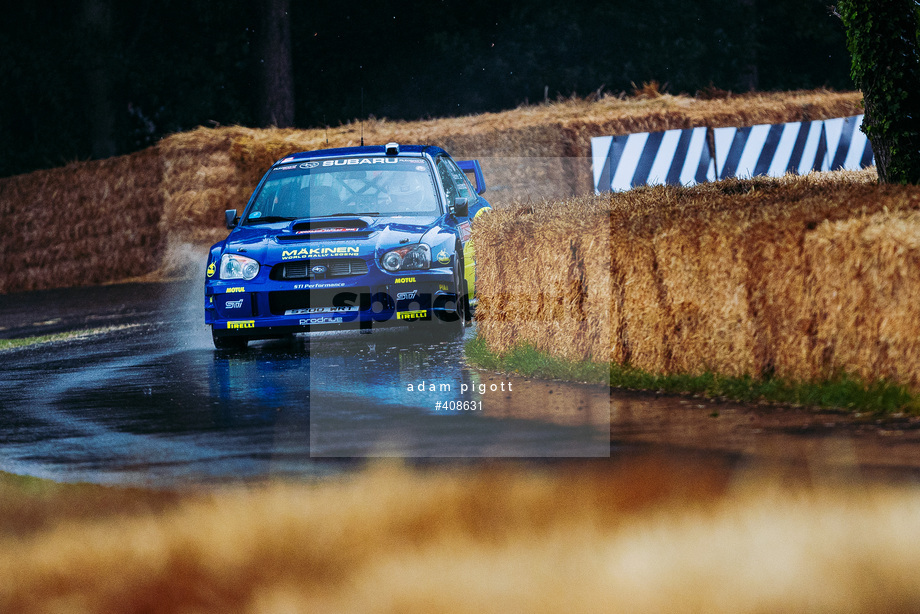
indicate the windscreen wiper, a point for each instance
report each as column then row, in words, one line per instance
column 364, row 213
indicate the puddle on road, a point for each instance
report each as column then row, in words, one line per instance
column 552, row 402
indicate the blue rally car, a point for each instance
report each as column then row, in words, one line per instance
column 351, row 237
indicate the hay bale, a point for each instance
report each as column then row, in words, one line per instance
column 555, row 312
column 645, row 312
column 82, row 224
column 704, row 279
column 866, row 274
column 597, row 326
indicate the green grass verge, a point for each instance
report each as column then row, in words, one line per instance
column 22, row 483
column 11, row 344
column 840, row 392
column 528, row 361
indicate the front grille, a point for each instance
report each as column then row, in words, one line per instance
column 335, row 267
column 281, row 301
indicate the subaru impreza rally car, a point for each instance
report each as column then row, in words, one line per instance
column 350, row 237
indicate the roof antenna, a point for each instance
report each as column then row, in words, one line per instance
column 362, row 117
column 326, row 131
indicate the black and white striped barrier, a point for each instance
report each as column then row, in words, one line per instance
column 851, row 149
column 683, row 157
column 676, row 157
column 770, row 150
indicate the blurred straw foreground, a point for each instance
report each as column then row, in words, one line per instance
column 647, row 535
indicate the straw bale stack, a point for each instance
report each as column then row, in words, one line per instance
column 529, row 154
column 155, row 211
column 86, row 223
column 199, row 182
column 803, row 277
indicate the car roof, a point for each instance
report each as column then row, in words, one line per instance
column 366, row 150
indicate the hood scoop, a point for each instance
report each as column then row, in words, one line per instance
column 326, row 229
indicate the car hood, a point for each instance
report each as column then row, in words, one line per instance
column 329, row 237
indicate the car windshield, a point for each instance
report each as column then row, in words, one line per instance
column 345, row 186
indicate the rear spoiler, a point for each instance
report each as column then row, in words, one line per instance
column 472, row 167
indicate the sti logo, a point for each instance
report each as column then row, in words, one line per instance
column 234, row 304
column 316, row 252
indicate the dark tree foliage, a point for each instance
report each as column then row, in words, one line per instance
column 882, row 36
column 172, row 65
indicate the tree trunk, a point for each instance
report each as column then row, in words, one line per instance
column 97, row 23
column 882, row 143
column 274, row 67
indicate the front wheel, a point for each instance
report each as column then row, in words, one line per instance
column 228, row 342
column 459, row 319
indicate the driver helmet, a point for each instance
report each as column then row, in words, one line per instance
column 405, row 189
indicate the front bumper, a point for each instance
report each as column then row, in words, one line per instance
column 267, row 308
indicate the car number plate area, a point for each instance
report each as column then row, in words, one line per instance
column 303, row 312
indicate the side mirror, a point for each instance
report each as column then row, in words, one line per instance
column 231, row 218
column 461, row 206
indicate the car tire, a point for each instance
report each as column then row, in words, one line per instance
column 461, row 319
column 467, row 310
column 463, row 306
column 228, row 342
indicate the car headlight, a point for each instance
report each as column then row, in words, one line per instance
column 410, row 258
column 234, row 266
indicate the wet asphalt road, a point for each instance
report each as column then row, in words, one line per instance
column 152, row 402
